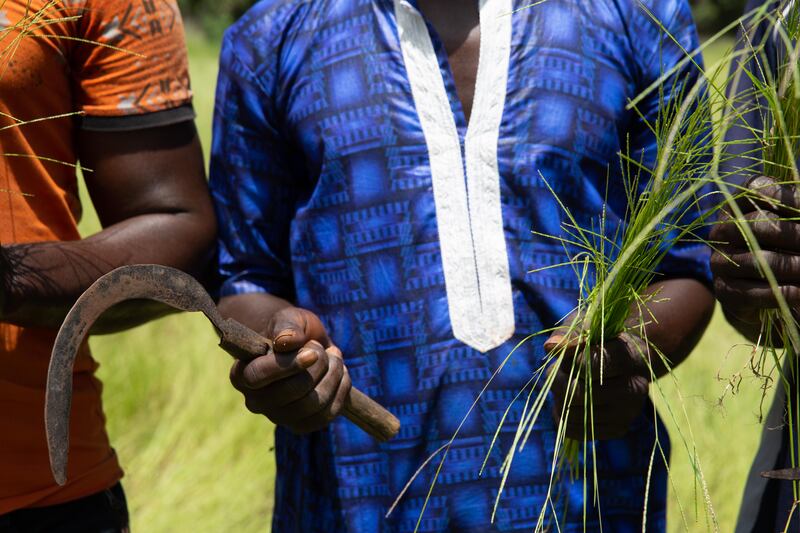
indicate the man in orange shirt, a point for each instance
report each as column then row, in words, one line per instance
column 106, row 85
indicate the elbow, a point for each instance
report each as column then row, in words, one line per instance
column 201, row 234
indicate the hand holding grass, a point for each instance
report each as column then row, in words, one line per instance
column 620, row 382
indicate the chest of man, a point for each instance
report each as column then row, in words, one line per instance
column 425, row 148
column 350, row 93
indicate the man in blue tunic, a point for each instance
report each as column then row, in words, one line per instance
column 379, row 168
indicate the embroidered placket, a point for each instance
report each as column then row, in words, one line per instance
column 468, row 211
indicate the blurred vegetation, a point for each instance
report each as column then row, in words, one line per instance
column 197, row 461
column 713, row 15
column 213, row 16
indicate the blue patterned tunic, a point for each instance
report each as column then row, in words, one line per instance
column 347, row 180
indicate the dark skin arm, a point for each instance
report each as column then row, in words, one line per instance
column 738, row 283
column 149, row 190
column 672, row 322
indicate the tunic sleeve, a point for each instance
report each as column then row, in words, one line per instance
column 662, row 47
column 254, row 187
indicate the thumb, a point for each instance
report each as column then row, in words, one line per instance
column 560, row 339
column 567, row 335
column 291, row 328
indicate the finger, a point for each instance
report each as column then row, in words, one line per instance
column 331, row 411
column 315, row 409
column 620, row 395
column 292, row 389
column 735, row 293
column 567, row 390
column 614, row 358
column 771, row 195
column 267, row 369
column 770, row 232
column 292, row 327
column 744, row 265
column 614, row 408
column 567, row 333
column 342, row 395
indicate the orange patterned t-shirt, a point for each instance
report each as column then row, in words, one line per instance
column 121, row 65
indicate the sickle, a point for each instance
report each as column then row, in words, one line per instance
column 181, row 291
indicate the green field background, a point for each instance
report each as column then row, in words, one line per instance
column 197, row 461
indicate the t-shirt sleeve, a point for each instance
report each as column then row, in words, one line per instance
column 663, row 46
column 131, row 66
column 253, row 183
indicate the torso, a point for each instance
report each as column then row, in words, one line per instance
column 366, row 233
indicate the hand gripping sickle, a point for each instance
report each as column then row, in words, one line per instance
column 181, row 291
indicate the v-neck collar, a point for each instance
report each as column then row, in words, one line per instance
column 459, row 114
column 466, row 183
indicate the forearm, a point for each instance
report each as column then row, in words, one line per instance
column 43, row 280
column 673, row 320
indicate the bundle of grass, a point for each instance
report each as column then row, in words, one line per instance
column 672, row 203
column 675, row 202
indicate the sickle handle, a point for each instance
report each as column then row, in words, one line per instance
column 370, row 416
column 787, row 474
column 244, row 343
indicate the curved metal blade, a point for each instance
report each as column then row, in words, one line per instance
column 151, row 282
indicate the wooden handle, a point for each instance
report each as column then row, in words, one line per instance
column 371, row 416
column 245, row 344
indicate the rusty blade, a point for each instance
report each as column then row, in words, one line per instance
column 152, row 282
column 787, row 474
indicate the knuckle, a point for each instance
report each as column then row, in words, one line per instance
column 347, row 383
column 724, row 291
column 717, row 262
column 299, row 386
column 254, row 373
column 235, row 375
column 791, row 293
column 783, row 264
column 336, row 352
column 336, row 367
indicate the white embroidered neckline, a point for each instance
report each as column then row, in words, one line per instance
column 468, row 211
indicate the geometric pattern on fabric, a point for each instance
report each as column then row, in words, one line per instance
column 322, row 183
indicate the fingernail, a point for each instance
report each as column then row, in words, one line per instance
column 306, row 358
column 553, row 341
column 284, row 336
